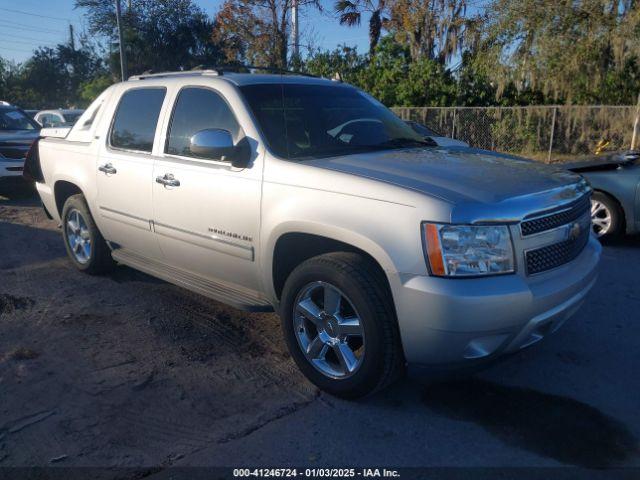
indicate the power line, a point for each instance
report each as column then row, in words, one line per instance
column 29, row 43
column 34, row 27
column 33, row 30
column 18, row 50
column 34, row 14
column 33, row 39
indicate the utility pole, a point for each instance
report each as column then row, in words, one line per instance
column 295, row 29
column 72, row 41
column 123, row 56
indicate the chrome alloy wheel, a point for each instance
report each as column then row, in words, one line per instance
column 600, row 218
column 329, row 330
column 78, row 236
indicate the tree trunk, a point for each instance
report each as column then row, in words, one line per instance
column 375, row 27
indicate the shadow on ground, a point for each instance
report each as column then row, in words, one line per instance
column 559, row 427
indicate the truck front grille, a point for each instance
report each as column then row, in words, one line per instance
column 14, row 153
column 553, row 220
column 551, row 256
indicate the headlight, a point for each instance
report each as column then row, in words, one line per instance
column 468, row 250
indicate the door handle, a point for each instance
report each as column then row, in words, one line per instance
column 108, row 169
column 168, row 180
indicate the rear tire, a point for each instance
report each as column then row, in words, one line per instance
column 607, row 218
column 359, row 337
column 85, row 245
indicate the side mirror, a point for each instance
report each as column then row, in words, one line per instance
column 213, row 143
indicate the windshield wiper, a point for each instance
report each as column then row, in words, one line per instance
column 407, row 142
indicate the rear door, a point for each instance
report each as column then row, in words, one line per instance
column 125, row 171
column 207, row 223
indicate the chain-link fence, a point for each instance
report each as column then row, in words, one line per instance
column 546, row 133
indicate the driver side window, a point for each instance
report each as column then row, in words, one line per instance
column 198, row 109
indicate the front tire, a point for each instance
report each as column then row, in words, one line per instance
column 85, row 245
column 339, row 324
column 606, row 215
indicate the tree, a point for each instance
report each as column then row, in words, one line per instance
column 257, row 31
column 571, row 51
column 243, row 37
column 159, row 35
column 350, row 13
column 431, row 29
column 389, row 75
column 394, row 79
column 90, row 89
column 52, row 77
column 343, row 61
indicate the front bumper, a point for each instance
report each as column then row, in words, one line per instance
column 456, row 322
column 11, row 174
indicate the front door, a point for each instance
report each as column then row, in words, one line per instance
column 206, row 212
column 125, row 172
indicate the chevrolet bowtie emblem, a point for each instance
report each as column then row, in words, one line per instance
column 574, row 231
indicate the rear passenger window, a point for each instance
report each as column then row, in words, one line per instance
column 134, row 125
column 198, row 109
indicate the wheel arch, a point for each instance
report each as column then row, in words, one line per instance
column 62, row 190
column 288, row 248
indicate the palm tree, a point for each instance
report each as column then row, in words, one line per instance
column 350, row 13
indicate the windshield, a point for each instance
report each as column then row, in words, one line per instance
column 311, row 121
column 13, row 119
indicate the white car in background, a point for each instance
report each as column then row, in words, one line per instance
column 58, row 118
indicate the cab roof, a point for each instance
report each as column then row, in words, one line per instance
column 239, row 79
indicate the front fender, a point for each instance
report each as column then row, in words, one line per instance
column 332, row 232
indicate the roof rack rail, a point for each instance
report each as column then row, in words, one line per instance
column 238, row 69
column 219, row 71
column 183, row 73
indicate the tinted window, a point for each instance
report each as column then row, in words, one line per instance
column 198, row 109
column 134, row 125
column 309, row 121
column 13, row 119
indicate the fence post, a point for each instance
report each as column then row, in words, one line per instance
column 453, row 128
column 553, row 131
column 636, row 124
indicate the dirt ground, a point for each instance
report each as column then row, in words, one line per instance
column 124, row 370
column 128, row 371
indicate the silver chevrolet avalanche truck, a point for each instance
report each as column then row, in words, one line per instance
column 377, row 247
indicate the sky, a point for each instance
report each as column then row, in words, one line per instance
column 27, row 24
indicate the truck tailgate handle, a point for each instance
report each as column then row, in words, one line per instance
column 108, row 169
column 168, row 180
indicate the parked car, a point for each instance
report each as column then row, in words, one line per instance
column 615, row 204
column 17, row 133
column 31, row 113
column 376, row 249
column 440, row 139
column 58, row 118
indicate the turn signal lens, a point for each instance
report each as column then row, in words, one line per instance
column 434, row 250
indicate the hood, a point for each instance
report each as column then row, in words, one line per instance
column 609, row 161
column 18, row 137
column 457, row 175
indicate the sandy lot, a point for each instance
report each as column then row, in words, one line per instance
column 129, row 371
column 124, row 370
